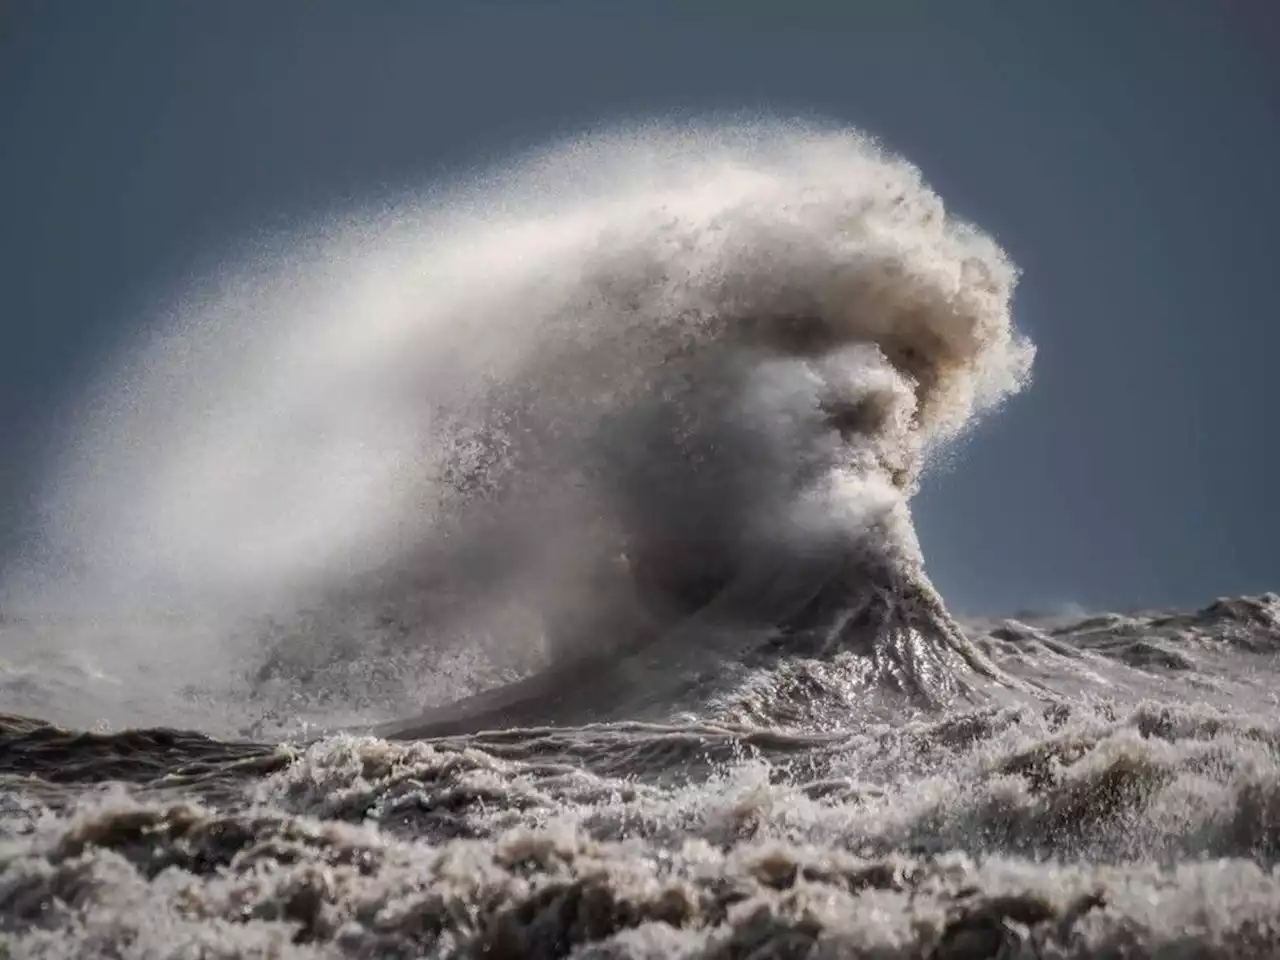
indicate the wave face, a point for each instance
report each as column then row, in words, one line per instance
column 667, row 389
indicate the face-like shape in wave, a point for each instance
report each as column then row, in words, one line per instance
column 721, row 352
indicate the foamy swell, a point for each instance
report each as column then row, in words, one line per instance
column 634, row 385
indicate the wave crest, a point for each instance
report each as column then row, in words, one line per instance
column 636, row 384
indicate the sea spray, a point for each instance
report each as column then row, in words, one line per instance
column 654, row 386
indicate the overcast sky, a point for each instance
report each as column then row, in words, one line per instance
column 1127, row 154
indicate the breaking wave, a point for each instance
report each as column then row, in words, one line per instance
column 654, row 399
column 599, row 468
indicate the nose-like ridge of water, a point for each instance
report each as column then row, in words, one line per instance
column 860, row 646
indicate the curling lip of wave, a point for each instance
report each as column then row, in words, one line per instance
column 719, row 349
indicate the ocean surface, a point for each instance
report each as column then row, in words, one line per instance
column 1136, row 813
column 525, row 568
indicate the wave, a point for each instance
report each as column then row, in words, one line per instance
column 655, row 398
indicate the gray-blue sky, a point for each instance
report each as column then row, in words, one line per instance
column 1125, row 153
